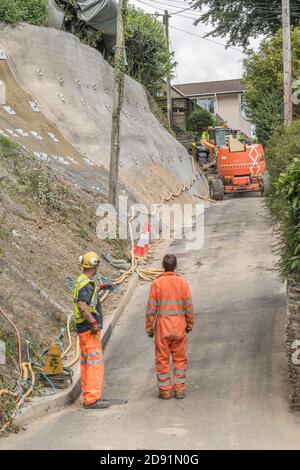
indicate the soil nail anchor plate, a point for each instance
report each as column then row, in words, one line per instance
column 9, row 110
column 34, row 106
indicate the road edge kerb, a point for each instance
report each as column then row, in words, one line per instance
column 40, row 407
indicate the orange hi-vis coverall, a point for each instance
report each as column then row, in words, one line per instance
column 170, row 316
column 92, row 366
column 92, row 360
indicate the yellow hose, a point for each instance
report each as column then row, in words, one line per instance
column 69, row 347
column 77, row 354
column 146, row 274
column 28, row 392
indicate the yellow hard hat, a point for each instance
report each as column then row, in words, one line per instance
column 89, row 260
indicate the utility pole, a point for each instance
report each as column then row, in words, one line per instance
column 287, row 62
column 169, row 95
column 119, row 77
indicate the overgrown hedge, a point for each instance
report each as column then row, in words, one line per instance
column 31, row 11
column 199, row 120
column 283, row 159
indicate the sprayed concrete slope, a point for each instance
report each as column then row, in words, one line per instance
column 29, row 128
column 73, row 88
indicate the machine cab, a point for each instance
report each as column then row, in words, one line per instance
column 217, row 136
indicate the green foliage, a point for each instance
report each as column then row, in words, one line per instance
column 240, row 20
column 288, row 190
column 7, row 404
column 149, row 60
column 34, row 178
column 199, row 120
column 283, row 148
column 7, row 147
column 31, row 11
column 284, row 198
column 263, row 77
column 176, row 129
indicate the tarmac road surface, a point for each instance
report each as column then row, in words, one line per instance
column 237, row 376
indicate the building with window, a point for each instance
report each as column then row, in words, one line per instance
column 224, row 99
column 182, row 106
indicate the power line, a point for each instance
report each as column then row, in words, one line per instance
column 269, row 12
column 163, row 5
column 154, row 6
column 196, row 35
column 181, row 11
column 207, row 39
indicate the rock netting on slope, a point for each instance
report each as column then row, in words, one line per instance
column 73, row 86
column 22, row 121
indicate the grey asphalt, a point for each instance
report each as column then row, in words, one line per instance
column 237, row 395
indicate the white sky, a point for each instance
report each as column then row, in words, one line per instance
column 198, row 60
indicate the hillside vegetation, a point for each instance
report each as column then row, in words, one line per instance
column 45, row 224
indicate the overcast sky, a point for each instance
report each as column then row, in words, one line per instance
column 198, row 60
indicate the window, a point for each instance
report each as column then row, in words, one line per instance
column 207, row 103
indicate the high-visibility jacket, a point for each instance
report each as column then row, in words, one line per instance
column 82, row 281
column 169, row 310
column 205, row 135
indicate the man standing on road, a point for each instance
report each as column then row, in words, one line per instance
column 170, row 317
column 89, row 322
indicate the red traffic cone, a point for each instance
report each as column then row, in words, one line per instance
column 147, row 236
column 142, row 246
column 139, row 249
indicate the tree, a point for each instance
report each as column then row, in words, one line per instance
column 31, row 11
column 239, row 20
column 148, row 56
column 199, row 120
column 263, row 77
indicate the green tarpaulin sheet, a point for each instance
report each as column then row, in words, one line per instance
column 101, row 15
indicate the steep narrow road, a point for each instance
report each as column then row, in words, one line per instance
column 237, row 392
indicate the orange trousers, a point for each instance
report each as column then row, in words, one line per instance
column 92, row 366
column 177, row 348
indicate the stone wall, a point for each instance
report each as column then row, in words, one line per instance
column 293, row 340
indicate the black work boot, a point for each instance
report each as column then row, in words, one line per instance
column 179, row 395
column 97, row 405
column 165, row 395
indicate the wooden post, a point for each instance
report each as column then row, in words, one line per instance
column 119, row 76
column 287, row 62
column 169, row 95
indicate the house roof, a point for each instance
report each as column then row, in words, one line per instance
column 210, row 88
column 176, row 90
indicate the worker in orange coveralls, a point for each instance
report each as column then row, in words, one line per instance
column 89, row 322
column 170, row 317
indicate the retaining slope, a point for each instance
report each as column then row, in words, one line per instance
column 73, row 87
